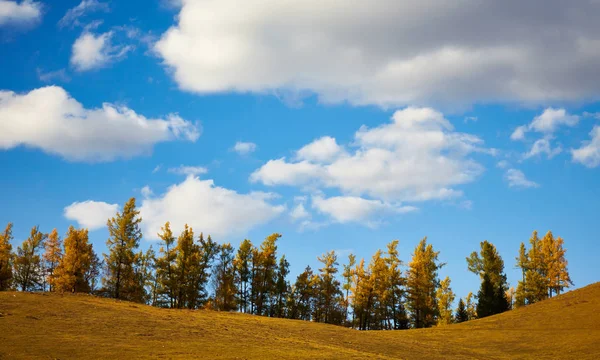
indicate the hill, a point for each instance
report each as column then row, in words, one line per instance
column 54, row 326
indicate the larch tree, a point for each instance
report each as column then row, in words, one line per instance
column 282, row 287
column 471, row 306
column 347, row 274
column 70, row 273
column 207, row 252
column 396, row 284
column 224, row 280
column 422, row 282
column 544, row 268
column 329, row 292
column 6, row 258
column 557, row 273
column 489, row 263
column 461, row 312
column 28, row 266
column 445, row 298
column 124, row 238
column 187, row 269
column 52, row 255
column 243, row 271
column 302, row 297
column 264, row 277
column 165, row 268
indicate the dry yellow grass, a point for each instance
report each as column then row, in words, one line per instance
column 53, row 326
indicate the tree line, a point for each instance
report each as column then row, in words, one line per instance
column 194, row 272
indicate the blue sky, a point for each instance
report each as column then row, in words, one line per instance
column 350, row 134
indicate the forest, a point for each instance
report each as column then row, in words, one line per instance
column 194, row 272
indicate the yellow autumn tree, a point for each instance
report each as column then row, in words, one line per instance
column 422, row 282
column 52, row 255
column 445, row 298
column 6, row 258
column 70, row 274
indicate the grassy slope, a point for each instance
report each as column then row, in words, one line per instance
column 77, row 326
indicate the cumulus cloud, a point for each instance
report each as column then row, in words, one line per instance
column 516, row 178
column 547, row 123
column 188, row 170
column 208, row 208
column 92, row 51
column 49, row 119
column 299, row 212
column 321, row 150
column 25, row 12
column 244, row 148
column 91, row 214
column 418, row 156
column 71, row 18
column 345, row 209
column 389, row 53
column 543, row 146
column 589, row 152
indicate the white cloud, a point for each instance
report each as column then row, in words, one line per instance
column 92, row 51
column 502, row 164
column 91, row 214
column 595, row 115
column 244, row 148
column 551, row 119
column 299, row 212
column 345, row 209
column 516, row 178
column 52, row 76
column 542, row 146
column 20, row 13
column 589, row 153
column 321, row 150
column 49, row 119
column 71, row 18
column 208, row 208
column 547, row 122
column 471, row 119
column 146, row 191
column 389, row 53
column 519, row 133
column 188, row 170
column 157, row 168
column 416, row 157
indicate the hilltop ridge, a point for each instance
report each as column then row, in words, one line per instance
column 43, row 325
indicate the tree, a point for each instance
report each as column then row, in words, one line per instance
column 263, row 284
column 489, row 266
column 187, row 268
column 70, row 273
column 303, row 293
column 165, row 268
column 243, row 271
column 471, row 307
column 6, row 258
column 28, row 267
column 224, row 279
column 445, row 298
column 124, row 239
column 282, row 287
column 347, row 286
column 53, row 255
column 544, row 269
column 395, row 288
column 557, row 273
column 329, row 294
column 461, row 312
column 422, row 282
